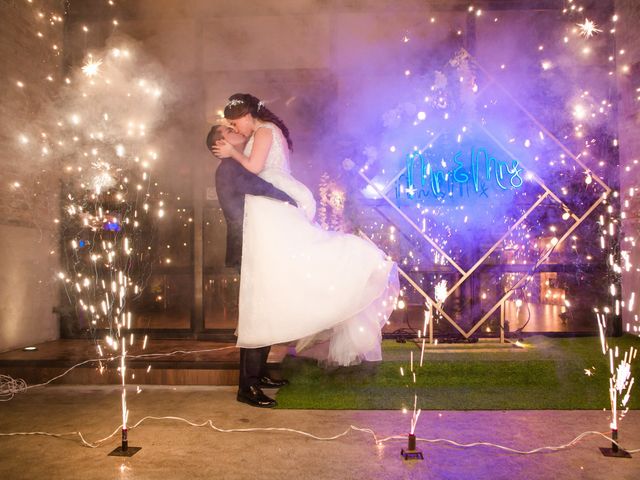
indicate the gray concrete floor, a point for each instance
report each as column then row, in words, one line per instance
column 173, row 450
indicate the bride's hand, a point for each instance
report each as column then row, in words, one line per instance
column 222, row 149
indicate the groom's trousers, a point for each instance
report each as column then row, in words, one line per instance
column 253, row 365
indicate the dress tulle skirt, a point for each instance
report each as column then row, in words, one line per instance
column 302, row 283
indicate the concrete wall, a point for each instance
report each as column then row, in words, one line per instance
column 29, row 186
column 28, row 291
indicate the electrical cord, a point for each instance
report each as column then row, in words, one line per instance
column 9, row 386
column 377, row 441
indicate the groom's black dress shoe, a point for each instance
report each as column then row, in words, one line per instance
column 267, row 382
column 255, row 397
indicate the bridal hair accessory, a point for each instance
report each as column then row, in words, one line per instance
column 234, row 102
column 260, row 105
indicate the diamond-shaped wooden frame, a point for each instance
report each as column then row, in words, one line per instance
column 465, row 274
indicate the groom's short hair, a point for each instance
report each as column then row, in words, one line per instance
column 213, row 136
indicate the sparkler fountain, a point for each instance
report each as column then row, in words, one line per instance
column 620, row 384
column 105, row 119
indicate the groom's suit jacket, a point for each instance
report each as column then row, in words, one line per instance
column 233, row 182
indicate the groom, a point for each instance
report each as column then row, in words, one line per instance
column 233, row 182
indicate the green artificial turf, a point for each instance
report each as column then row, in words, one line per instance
column 547, row 374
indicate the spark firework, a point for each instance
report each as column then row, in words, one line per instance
column 588, row 28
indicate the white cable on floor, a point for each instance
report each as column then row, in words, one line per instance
column 377, row 441
column 525, row 452
column 10, row 386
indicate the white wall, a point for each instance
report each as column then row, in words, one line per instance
column 28, row 290
column 29, row 181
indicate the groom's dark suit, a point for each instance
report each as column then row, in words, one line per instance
column 233, row 182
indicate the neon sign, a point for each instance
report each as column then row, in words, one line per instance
column 460, row 178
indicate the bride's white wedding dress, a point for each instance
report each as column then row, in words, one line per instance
column 300, row 282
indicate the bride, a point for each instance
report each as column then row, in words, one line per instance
column 298, row 281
